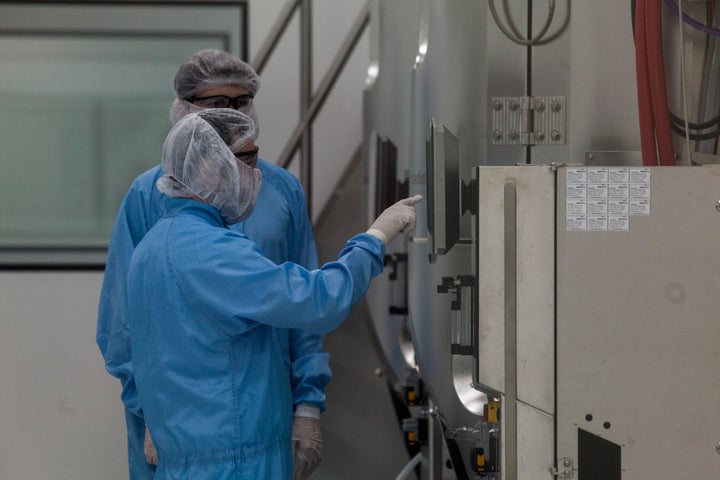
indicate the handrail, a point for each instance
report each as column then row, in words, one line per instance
column 273, row 38
column 306, row 96
column 326, row 85
column 310, row 104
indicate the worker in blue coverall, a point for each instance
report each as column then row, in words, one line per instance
column 208, row 311
column 281, row 228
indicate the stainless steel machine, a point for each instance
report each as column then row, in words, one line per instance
column 597, row 320
column 554, row 313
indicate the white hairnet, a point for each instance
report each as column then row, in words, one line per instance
column 199, row 160
column 212, row 68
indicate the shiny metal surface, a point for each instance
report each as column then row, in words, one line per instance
column 386, row 106
column 445, row 58
column 460, row 62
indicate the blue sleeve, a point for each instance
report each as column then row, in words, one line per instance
column 139, row 210
column 226, row 280
column 310, row 364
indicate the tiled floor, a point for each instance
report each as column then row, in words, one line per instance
column 361, row 435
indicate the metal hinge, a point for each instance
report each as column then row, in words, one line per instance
column 564, row 470
column 528, row 120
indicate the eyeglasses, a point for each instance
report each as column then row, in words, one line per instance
column 221, row 101
column 250, row 157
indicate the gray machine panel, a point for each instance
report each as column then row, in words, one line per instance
column 531, row 236
column 515, row 362
column 638, row 336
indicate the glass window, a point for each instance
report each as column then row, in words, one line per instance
column 84, row 109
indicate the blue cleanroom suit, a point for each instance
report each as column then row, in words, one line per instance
column 279, row 225
column 208, row 314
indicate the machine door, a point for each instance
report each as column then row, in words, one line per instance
column 638, row 336
column 515, row 256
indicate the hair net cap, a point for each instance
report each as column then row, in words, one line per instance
column 213, row 68
column 199, row 161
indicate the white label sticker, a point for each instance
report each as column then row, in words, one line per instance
column 597, row 222
column 639, row 207
column 597, row 175
column 597, row 207
column 575, row 207
column 576, row 175
column 618, row 190
column 618, row 175
column 618, row 207
column 640, row 175
column 639, row 190
column 618, row 222
column 604, row 198
column 597, row 191
column 576, row 190
column 576, row 222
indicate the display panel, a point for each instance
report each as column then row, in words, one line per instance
column 443, row 189
column 386, row 190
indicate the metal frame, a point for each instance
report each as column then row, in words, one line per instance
column 310, row 103
column 93, row 252
column 241, row 4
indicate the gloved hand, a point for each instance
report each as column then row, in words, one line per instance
column 395, row 219
column 151, row 455
column 307, row 445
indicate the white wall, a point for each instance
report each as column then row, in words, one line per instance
column 60, row 413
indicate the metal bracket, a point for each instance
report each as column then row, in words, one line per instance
column 565, row 469
column 463, row 313
column 528, row 120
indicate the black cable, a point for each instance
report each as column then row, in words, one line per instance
column 695, row 136
column 696, row 126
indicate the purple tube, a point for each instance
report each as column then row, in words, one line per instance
column 691, row 21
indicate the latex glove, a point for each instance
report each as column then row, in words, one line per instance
column 151, row 455
column 395, row 219
column 307, row 445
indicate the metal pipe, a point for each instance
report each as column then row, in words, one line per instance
column 410, row 467
column 509, row 430
column 306, row 92
column 273, row 37
column 326, row 85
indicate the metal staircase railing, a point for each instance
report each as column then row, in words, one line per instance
column 310, row 102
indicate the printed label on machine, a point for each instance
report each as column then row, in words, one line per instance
column 618, row 207
column 604, row 198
